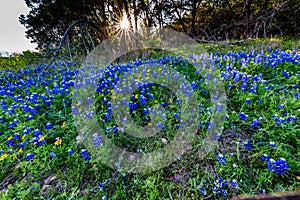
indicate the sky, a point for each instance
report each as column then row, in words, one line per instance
column 12, row 32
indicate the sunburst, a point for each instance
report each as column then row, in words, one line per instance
column 125, row 34
column 124, row 23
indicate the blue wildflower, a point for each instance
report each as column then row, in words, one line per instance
column 248, row 101
column 53, row 155
column 49, row 126
column 279, row 166
column 10, row 143
column 265, row 157
column 234, row 183
column 17, row 136
column 203, row 191
column 262, row 191
column 272, row 144
column 97, row 140
column 29, row 156
column 242, row 116
column 71, row 151
column 85, row 155
column 221, row 159
column 101, row 186
column 254, row 124
column 296, row 95
column 248, row 144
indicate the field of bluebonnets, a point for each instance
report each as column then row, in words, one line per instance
column 258, row 151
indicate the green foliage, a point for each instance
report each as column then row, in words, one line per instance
column 19, row 61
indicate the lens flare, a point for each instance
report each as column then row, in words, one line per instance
column 124, row 23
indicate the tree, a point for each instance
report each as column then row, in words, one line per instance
column 209, row 19
column 48, row 19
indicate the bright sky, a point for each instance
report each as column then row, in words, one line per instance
column 12, row 33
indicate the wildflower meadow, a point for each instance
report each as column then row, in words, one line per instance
column 258, row 150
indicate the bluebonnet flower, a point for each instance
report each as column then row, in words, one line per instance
column 33, row 111
column 210, row 125
column 270, row 48
column 53, row 155
column 219, row 107
column 13, row 124
column 279, row 166
column 281, row 106
column 10, row 142
column 272, row 144
column 242, row 116
column 279, row 121
column 39, row 140
column 27, row 130
column 221, row 159
column 11, row 111
column 85, row 154
column 21, row 145
column 164, row 117
column 236, row 77
column 217, row 136
column 265, row 157
column 37, row 133
column 219, row 187
column 296, row 95
column 71, row 151
column 248, row 101
column 164, row 104
column 107, row 116
column 3, row 105
column 89, row 100
column 209, row 76
column 203, row 191
column 262, row 191
column 17, row 136
column 248, row 144
column 194, row 85
column 285, row 74
column 97, row 140
column 254, row 124
column 159, row 125
column 146, row 111
column 74, row 110
column 234, row 183
column 49, row 126
column 29, row 156
column 37, row 107
column 2, row 120
column 101, row 186
column 28, row 117
column 189, row 93
column 176, row 116
column 132, row 106
column 143, row 100
column 291, row 119
column 253, row 88
column 150, row 96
